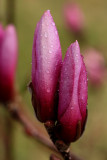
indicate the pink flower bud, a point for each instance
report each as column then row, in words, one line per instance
column 8, row 60
column 74, row 17
column 95, row 65
column 46, row 65
column 72, row 95
column 1, row 36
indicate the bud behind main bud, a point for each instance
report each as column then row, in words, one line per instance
column 72, row 95
column 97, row 72
column 8, row 61
column 74, row 17
column 46, row 66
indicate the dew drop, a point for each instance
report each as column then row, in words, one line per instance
column 44, row 46
column 65, row 69
column 46, row 35
column 51, row 79
column 48, row 90
column 47, row 24
column 50, row 51
column 56, row 32
column 47, row 71
column 53, row 23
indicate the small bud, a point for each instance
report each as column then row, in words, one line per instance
column 74, row 17
column 8, row 60
column 95, row 65
column 72, row 95
column 46, row 65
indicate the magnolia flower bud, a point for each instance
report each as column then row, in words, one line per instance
column 74, row 17
column 1, row 36
column 72, row 95
column 96, row 69
column 46, row 65
column 8, row 60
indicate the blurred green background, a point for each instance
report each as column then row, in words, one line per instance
column 93, row 144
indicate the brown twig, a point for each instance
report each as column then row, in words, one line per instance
column 6, row 134
column 10, row 11
column 20, row 113
column 60, row 145
column 8, row 137
column 54, row 157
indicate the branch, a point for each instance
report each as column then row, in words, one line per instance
column 54, row 157
column 63, row 148
column 10, row 11
column 19, row 112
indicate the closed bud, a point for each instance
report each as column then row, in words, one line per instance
column 97, row 72
column 72, row 95
column 46, row 65
column 74, row 17
column 8, row 61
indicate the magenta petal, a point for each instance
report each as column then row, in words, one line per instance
column 46, row 65
column 83, row 90
column 1, row 36
column 8, row 60
column 71, row 92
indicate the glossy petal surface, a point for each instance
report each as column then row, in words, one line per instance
column 8, row 61
column 46, row 65
column 72, row 94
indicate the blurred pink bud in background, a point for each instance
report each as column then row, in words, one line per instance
column 72, row 95
column 8, row 61
column 95, row 65
column 74, row 17
column 46, row 66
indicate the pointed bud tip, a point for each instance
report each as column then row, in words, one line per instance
column 47, row 13
column 10, row 28
column 76, row 43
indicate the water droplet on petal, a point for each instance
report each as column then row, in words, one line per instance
column 53, row 23
column 47, row 71
column 56, row 32
column 50, row 51
column 44, row 46
column 46, row 35
column 48, row 90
